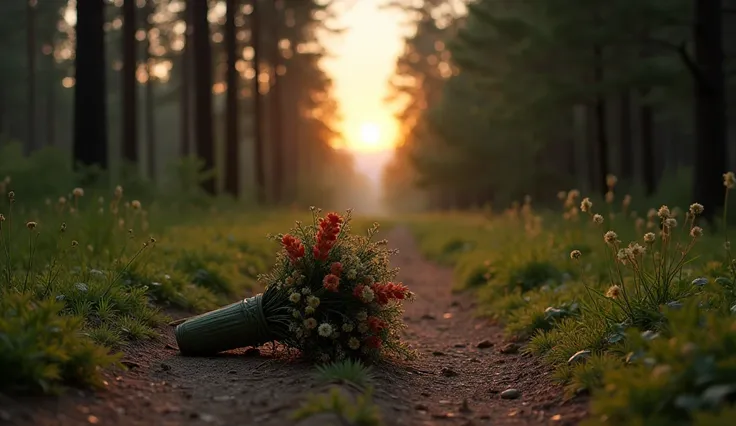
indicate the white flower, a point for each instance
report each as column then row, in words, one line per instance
column 310, row 323
column 367, row 295
column 347, row 327
column 362, row 316
column 295, row 297
column 324, row 330
column 306, row 290
column 363, row 327
column 354, row 343
column 313, row 301
column 309, row 310
column 352, row 274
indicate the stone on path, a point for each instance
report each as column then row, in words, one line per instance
column 510, row 394
column 484, row 344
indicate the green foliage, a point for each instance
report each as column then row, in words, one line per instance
column 40, row 349
column 346, row 371
column 361, row 412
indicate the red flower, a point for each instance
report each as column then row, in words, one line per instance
column 331, row 282
column 389, row 291
column 329, row 228
column 373, row 342
column 293, row 246
column 376, row 324
column 358, row 290
column 336, row 269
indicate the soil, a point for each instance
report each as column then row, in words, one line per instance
column 463, row 368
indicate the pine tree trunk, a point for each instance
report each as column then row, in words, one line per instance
column 278, row 150
column 258, row 111
column 231, row 131
column 710, row 106
column 90, row 106
column 129, row 87
column 186, row 86
column 150, row 112
column 203, row 90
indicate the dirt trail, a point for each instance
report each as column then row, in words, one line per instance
column 453, row 381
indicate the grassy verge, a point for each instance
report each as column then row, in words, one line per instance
column 85, row 274
column 636, row 310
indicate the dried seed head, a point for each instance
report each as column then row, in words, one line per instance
column 31, row 225
column 118, row 192
column 609, row 197
column 597, row 219
column 729, row 180
column 135, row 204
column 636, row 250
column 575, row 254
column 651, row 214
column 78, row 192
column 614, row 292
column 586, row 205
column 664, row 212
column 670, row 222
column 63, row 227
column 74, row 243
column 11, row 195
column 696, row 232
column 2, row 218
column 696, row 209
column 627, row 200
column 610, row 237
column 649, row 237
column 611, row 181
column 62, row 200
column 562, row 195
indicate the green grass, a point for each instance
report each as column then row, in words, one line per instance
column 650, row 336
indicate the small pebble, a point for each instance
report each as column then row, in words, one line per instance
column 510, row 394
column 448, row 372
column 232, row 372
column 460, row 345
column 428, row 317
column 484, row 344
column 437, row 353
column 509, row 348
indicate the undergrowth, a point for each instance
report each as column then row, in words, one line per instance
column 638, row 310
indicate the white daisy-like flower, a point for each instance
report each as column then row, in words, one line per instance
column 354, row 343
column 310, row 323
column 306, row 290
column 295, row 297
column 348, row 327
column 324, row 330
column 352, row 274
column 363, row 327
column 362, row 316
column 309, row 310
column 367, row 295
column 313, row 301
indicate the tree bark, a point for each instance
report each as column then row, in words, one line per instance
column 710, row 106
column 186, row 86
column 203, row 90
column 90, row 106
column 129, row 142
column 232, row 179
column 150, row 112
column 258, row 112
column 278, row 150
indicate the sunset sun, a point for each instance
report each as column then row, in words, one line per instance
column 370, row 135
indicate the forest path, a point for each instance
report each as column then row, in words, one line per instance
column 463, row 368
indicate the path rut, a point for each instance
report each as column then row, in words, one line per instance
column 452, row 382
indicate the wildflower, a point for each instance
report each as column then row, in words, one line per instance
column 2, row 218
column 389, row 291
column 373, row 342
column 609, row 197
column 363, row 327
column 31, row 225
column 729, row 180
column 62, row 201
column 11, row 195
column 627, row 200
column 306, row 290
column 118, row 192
column 329, row 229
column 610, row 237
column 586, row 205
column 295, row 297
column 649, row 237
column 352, row 274
column 597, row 219
column 310, row 323
column 696, row 209
column 362, row 315
column 78, row 192
column 611, row 181
column 135, row 204
column 74, row 243
column 696, row 232
column 367, row 295
column 622, row 255
column 290, row 281
column 670, row 222
column 313, row 301
column 376, row 324
column 727, row 245
column 636, row 250
column 293, row 246
column 575, row 254
column 324, row 330
column 331, row 282
column 663, row 212
column 614, row 292
column 348, row 327
column 309, row 310
column 336, row 268
column 354, row 343
column 296, row 314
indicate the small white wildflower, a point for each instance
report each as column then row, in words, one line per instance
column 354, row 343
column 310, row 323
column 586, row 205
column 597, row 219
column 295, row 297
column 324, row 330
column 664, row 212
column 362, row 316
column 306, row 290
column 649, row 237
column 696, row 209
column 367, row 295
column 309, row 310
column 610, row 237
column 348, row 327
column 313, row 301
column 696, row 232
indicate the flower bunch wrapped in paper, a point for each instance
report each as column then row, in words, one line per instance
column 331, row 295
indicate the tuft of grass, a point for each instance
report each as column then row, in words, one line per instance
column 348, row 371
column 360, row 412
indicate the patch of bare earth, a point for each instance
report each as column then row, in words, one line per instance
column 465, row 374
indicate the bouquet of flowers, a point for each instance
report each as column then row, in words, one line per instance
column 330, row 295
